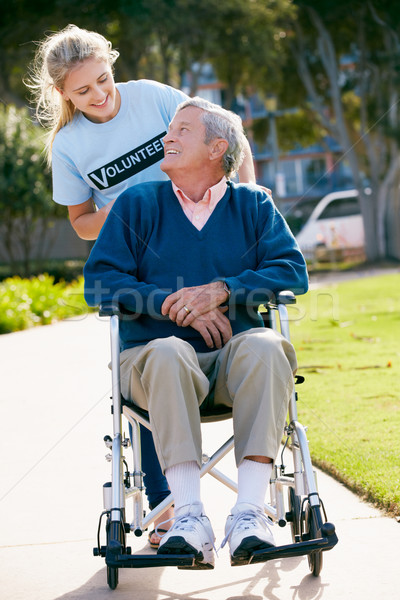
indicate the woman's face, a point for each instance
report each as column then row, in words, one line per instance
column 90, row 87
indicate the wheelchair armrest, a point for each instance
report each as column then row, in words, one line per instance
column 286, row 297
column 110, row 308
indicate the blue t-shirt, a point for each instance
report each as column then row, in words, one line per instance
column 148, row 249
column 102, row 160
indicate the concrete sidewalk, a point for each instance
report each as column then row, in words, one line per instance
column 54, row 414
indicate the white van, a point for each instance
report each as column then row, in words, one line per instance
column 330, row 228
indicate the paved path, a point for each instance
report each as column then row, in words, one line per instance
column 54, row 414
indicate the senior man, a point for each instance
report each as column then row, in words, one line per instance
column 192, row 259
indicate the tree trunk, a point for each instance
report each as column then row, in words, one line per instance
column 385, row 189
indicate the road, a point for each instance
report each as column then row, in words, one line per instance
column 54, row 414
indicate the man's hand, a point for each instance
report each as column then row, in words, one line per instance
column 187, row 304
column 214, row 327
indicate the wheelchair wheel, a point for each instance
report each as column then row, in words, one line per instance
column 294, row 514
column 309, row 531
column 115, row 537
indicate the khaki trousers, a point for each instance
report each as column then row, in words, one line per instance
column 252, row 373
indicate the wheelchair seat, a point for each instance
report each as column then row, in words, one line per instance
column 207, row 414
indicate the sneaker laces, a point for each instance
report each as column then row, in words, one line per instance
column 189, row 527
column 173, row 518
column 188, row 516
column 245, row 518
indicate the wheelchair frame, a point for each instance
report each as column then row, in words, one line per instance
column 311, row 533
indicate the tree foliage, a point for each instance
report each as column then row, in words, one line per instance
column 243, row 39
column 339, row 66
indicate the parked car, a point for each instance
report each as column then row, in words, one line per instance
column 330, row 228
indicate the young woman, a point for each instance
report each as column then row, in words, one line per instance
column 103, row 138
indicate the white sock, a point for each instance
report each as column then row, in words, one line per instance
column 253, row 480
column 184, row 483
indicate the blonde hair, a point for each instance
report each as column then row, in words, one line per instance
column 56, row 56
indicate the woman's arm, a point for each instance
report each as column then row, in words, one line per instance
column 86, row 220
column 246, row 172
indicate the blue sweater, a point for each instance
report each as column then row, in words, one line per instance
column 148, row 249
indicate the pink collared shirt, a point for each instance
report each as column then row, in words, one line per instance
column 198, row 213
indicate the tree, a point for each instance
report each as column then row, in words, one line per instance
column 249, row 46
column 248, row 42
column 26, row 204
column 357, row 106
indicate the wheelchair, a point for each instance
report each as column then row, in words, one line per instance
column 294, row 497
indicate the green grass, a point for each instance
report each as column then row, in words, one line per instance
column 348, row 348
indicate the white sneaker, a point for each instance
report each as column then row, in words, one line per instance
column 247, row 529
column 191, row 534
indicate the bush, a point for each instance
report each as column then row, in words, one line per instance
column 25, row 303
column 27, row 209
column 61, row 270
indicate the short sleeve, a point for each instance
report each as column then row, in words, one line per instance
column 175, row 98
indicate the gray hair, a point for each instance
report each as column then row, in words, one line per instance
column 221, row 123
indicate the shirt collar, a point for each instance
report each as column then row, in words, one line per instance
column 212, row 196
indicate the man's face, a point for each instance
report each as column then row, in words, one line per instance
column 184, row 147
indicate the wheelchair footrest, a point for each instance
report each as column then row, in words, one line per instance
column 140, row 561
column 299, row 549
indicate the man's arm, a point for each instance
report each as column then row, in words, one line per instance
column 110, row 272
column 110, row 276
column 280, row 263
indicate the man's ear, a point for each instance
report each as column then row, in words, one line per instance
column 218, row 147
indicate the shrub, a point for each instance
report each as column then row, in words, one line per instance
column 27, row 209
column 25, row 303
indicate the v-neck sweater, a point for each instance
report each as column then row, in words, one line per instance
column 148, row 249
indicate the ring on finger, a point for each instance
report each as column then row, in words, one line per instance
column 186, row 309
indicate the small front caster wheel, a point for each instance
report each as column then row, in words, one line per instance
column 112, row 577
column 294, row 515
